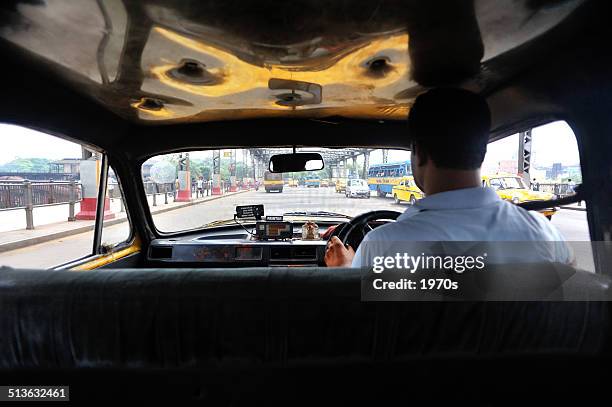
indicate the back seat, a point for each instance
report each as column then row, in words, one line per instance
column 219, row 333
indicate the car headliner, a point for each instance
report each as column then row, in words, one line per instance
column 185, row 74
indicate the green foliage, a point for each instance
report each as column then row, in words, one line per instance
column 200, row 168
column 203, row 168
column 27, row 165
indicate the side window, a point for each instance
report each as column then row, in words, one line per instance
column 495, row 183
column 116, row 227
column 551, row 168
column 48, row 194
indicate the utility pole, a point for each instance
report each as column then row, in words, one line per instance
column 232, row 168
column 253, row 165
column 244, row 166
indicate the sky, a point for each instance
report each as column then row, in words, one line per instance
column 553, row 142
column 21, row 142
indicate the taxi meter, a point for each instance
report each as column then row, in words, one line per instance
column 272, row 228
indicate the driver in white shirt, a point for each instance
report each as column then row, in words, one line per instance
column 449, row 130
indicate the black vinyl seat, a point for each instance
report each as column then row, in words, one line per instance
column 245, row 329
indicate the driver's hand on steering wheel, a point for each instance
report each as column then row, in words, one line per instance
column 338, row 255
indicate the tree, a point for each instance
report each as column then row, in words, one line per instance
column 26, row 165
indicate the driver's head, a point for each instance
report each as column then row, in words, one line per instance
column 449, row 129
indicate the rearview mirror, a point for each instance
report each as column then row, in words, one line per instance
column 296, row 162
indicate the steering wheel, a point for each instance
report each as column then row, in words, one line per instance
column 354, row 231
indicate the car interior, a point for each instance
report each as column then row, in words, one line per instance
column 229, row 314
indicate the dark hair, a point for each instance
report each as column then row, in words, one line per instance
column 451, row 127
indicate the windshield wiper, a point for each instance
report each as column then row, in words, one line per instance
column 317, row 213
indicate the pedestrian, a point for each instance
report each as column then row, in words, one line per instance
column 177, row 186
column 535, row 185
column 571, row 189
column 200, row 186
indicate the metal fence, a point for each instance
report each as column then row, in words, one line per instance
column 560, row 190
column 28, row 195
column 155, row 188
column 41, row 176
column 162, row 191
column 22, row 194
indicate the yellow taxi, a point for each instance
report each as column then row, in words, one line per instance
column 292, row 183
column 512, row 188
column 406, row 191
column 341, row 185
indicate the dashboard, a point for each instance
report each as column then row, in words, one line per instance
column 233, row 246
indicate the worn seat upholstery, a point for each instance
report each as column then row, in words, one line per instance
column 245, row 329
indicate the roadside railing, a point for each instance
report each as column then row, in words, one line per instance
column 154, row 189
column 27, row 195
column 561, row 190
column 158, row 191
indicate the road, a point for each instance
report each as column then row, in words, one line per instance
column 572, row 224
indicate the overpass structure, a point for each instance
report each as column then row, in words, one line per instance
column 336, row 160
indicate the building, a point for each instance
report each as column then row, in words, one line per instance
column 65, row 166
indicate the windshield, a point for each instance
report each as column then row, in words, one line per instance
column 512, row 183
column 202, row 188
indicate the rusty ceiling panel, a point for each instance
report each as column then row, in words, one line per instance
column 184, row 61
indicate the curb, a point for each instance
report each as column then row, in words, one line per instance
column 19, row 244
